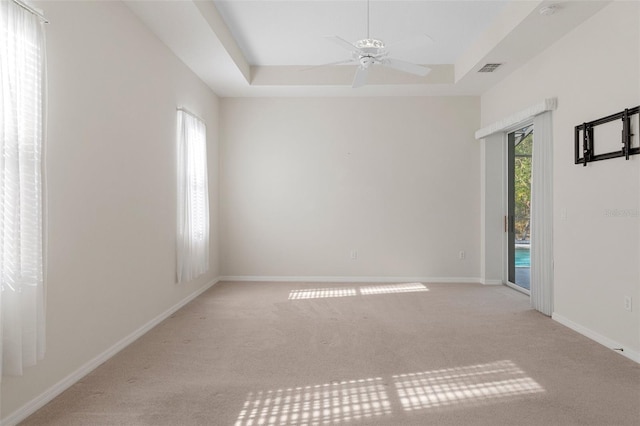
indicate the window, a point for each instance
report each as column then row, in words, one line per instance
column 22, row 78
column 519, row 152
column 193, row 198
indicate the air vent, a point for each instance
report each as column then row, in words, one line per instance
column 489, row 68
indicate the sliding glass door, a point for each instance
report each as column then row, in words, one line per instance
column 518, row 219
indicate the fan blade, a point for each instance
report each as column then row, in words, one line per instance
column 406, row 67
column 344, row 43
column 360, row 79
column 346, row 61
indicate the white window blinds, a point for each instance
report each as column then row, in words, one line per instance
column 193, row 198
column 22, row 77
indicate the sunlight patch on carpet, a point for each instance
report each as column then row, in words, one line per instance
column 368, row 290
column 359, row 400
column 320, row 293
column 331, row 403
column 392, row 288
column 463, row 386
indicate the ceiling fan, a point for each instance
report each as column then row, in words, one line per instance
column 372, row 51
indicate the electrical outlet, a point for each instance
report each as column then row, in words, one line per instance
column 462, row 255
column 628, row 303
column 353, row 255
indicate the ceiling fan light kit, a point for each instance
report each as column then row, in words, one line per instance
column 369, row 43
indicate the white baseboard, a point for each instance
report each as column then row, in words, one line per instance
column 55, row 390
column 491, row 282
column 605, row 341
column 349, row 279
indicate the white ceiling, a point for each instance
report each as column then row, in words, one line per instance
column 259, row 47
column 291, row 32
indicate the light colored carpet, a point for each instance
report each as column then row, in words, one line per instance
column 357, row 354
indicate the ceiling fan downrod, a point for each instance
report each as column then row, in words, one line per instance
column 368, row 22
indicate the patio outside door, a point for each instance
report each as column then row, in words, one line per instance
column 518, row 220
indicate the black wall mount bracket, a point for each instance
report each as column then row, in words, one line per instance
column 584, row 133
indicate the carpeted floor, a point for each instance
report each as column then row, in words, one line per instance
column 357, row 354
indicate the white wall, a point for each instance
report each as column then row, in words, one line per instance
column 113, row 93
column 305, row 181
column 593, row 71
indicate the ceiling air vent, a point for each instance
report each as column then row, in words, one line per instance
column 489, row 68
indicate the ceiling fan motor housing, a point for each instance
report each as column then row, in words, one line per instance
column 366, row 61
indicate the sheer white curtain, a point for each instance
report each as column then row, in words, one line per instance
column 193, row 198
column 22, row 77
column 542, row 215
